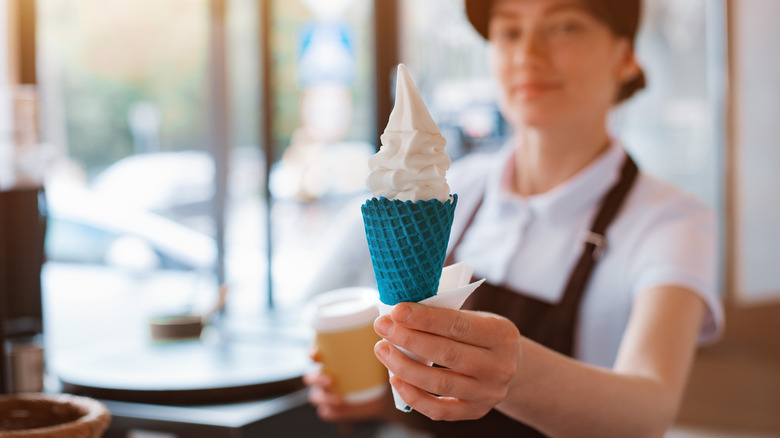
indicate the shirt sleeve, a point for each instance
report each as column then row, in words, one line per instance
column 343, row 260
column 679, row 248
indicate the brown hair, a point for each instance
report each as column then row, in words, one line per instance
column 621, row 16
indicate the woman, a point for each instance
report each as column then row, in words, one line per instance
column 600, row 280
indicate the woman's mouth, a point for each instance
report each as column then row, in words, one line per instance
column 534, row 88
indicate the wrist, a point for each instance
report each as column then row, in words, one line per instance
column 520, row 388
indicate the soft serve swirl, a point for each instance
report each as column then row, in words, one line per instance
column 411, row 163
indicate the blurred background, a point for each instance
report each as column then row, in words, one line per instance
column 184, row 144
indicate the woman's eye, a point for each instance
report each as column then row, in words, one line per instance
column 566, row 27
column 510, row 34
column 505, row 33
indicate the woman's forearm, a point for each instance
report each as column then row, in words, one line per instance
column 563, row 397
column 639, row 398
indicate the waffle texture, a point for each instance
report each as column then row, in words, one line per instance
column 408, row 242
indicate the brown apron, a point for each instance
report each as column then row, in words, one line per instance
column 549, row 324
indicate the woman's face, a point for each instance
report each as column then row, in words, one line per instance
column 556, row 64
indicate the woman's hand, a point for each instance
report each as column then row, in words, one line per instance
column 332, row 407
column 481, row 353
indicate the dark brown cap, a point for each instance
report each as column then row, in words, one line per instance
column 478, row 12
column 621, row 16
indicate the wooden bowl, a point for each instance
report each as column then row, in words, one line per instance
column 175, row 327
column 52, row 416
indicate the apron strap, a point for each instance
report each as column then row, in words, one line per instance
column 595, row 240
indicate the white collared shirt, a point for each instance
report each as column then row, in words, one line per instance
column 660, row 237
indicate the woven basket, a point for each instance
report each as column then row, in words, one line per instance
column 52, row 416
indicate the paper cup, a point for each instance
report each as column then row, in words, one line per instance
column 343, row 321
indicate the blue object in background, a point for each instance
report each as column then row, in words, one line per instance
column 326, row 54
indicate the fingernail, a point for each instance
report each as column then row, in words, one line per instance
column 381, row 350
column 402, row 313
column 384, row 327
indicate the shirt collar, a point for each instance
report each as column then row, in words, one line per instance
column 584, row 189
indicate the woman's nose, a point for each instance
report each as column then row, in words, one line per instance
column 530, row 49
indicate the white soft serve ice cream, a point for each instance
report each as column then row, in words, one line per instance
column 411, row 163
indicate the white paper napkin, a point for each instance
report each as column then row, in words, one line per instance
column 454, row 288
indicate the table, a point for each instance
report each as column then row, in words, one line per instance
column 185, row 372
column 225, row 387
column 289, row 416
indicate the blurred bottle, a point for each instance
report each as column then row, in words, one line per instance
column 26, row 364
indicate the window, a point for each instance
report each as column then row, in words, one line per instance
column 756, row 154
column 130, row 110
column 123, row 99
column 323, row 132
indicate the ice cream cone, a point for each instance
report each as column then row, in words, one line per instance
column 407, row 242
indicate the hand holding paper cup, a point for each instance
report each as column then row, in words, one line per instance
column 343, row 321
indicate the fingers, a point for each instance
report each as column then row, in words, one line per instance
column 463, row 358
column 316, row 377
column 314, row 353
column 481, row 353
column 330, row 407
column 475, row 328
column 333, row 407
column 491, row 357
column 339, row 410
column 321, row 397
column 437, row 408
column 439, row 381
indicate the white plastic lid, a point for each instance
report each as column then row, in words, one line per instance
column 342, row 309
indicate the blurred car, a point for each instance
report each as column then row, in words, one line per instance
column 468, row 116
column 179, row 184
column 85, row 227
column 161, row 181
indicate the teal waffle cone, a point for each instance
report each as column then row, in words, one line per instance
column 408, row 242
